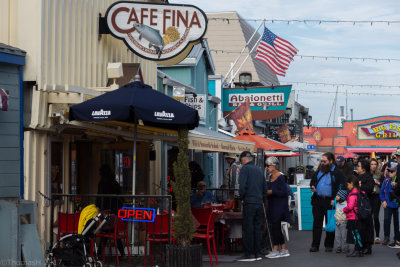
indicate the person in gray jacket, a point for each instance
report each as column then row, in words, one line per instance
column 252, row 187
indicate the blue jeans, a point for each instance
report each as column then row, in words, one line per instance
column 251, row 228
column 388, row 213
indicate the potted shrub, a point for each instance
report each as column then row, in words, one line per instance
column 183, row 253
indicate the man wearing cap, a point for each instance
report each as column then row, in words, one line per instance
column 231, row 178
column 252, row 187
column 324, row 184
column 342, row 165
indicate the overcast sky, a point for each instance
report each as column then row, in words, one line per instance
column 378, row 40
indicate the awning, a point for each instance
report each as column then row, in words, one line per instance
column 349, row 155
column 262, row 142
column 282, row 154
column 296, row 145
column 371, row 149
column 208, row 140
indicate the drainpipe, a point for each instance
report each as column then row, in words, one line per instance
column 21, row 132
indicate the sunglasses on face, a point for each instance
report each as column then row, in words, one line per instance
column 392, row 171
column 324, row 161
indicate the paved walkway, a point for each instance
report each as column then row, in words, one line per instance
column 299, row 246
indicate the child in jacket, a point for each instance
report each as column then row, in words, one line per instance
column 351, row 217
column 341, row 222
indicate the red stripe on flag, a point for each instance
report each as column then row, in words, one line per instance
column 287, row 44
column 268, row 50
column 271, row 65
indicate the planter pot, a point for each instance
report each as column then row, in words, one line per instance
column 179, row 256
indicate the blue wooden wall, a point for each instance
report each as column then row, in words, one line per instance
column 10, row 133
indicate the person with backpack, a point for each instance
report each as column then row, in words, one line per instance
column 367, row 187
column 324, row 184
column 390, row 206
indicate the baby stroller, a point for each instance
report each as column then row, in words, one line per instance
column 72, row 249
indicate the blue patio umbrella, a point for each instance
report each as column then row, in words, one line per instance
column 136, row 101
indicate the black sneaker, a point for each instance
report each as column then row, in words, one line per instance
column 385, row 242
column 246, row 258
column 258, row 257
column 394, row 245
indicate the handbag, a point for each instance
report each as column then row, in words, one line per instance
column 331, row 224
column 377, row 189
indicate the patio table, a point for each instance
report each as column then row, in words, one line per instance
column 233, row 220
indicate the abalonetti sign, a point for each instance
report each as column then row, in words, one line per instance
column 156, row 31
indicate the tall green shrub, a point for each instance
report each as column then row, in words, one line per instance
column 183, row 221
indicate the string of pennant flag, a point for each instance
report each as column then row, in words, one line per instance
column 310, row 21
column 346, row 93
column 319, row 57
column 343, row 84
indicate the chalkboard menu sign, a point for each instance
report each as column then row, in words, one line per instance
column 271, row 130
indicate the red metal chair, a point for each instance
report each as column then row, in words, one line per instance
column 202, row 215
column 120, row 231
column 157, row 231
column 67, row 223
column 207, row 214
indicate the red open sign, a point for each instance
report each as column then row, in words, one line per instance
column 137, row 214
column 126, row 162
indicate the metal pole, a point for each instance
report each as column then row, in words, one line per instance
column 134, row 158
column 241, row 52
column 133, row 180
column 244, row 61
column 267, row 224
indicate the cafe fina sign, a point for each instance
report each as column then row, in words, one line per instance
column 379, row 130
column 156, row 31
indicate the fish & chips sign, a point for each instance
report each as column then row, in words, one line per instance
column 156, row 31
column 380, row 130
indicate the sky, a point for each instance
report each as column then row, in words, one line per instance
column 359, row 40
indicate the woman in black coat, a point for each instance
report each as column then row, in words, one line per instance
column 367, row 186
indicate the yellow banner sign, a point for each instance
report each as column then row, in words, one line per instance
column 219, row 145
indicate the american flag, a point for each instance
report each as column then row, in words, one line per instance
column 275, row 52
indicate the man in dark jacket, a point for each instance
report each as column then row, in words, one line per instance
column 345, row 167
column 324, row 184
column 252, row 187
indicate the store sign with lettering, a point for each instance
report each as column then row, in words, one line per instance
column 261, row 99
column 380, row 130
column 198, row 103
column 137, row 214
column 156, row 31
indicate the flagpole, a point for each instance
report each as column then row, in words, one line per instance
column 241, row 52
column 244, row 61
